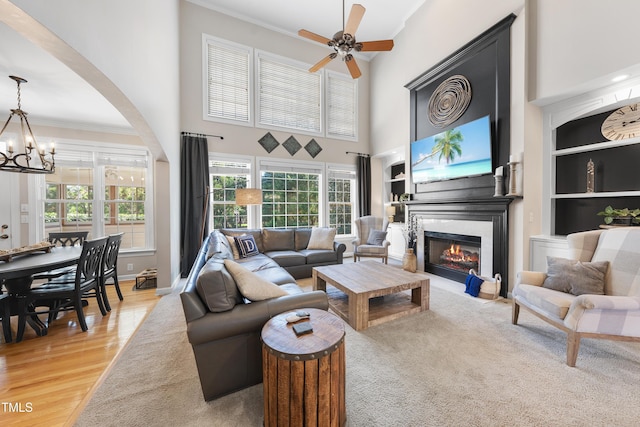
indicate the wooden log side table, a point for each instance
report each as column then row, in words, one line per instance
column 304, row 376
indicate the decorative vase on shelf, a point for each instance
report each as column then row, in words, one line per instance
column 409, row 260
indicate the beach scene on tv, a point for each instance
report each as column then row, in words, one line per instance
column 458, row 152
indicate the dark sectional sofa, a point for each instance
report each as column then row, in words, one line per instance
column 223, row 327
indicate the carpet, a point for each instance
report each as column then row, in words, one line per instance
column 459, row 364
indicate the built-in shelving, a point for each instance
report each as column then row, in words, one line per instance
column 617, row 182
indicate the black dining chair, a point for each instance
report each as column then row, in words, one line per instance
column 63, row 294
column 110, row 268
column 5, row 312
column 63, row 238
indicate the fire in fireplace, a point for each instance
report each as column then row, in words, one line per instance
column 451, row 255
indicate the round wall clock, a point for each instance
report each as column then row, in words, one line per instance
column 449, row 101
column 623, row 123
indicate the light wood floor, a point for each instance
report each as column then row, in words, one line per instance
column 47, row 381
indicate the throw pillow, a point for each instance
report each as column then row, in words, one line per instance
column 234, row 248
column 376, row 237
column 246, row 245
column 575, row 277
column 322, row 238
column 252, row 286
column 216, row 290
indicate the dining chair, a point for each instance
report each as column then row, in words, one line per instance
column 62, row 238
column 5, row 312
column 110, row 267
column 63, row 295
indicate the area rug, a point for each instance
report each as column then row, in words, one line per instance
column 459, row 364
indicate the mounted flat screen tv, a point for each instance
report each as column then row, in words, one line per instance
column 458, row 152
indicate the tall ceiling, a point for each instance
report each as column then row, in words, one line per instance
column 55, row 95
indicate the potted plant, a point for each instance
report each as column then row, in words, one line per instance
column 625, row 216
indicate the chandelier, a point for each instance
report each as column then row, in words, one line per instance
column 29, row 157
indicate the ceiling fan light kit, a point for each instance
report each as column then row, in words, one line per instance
column 344, row 42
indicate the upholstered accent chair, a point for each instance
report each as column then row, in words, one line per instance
column 569, row 296
column 371, row 238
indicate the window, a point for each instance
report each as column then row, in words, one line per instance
column 69, row 205
column 284, row 95
column 340, row 195
column 342, row 120
column 228, row 79
column 291, row 194
column 225, row 176
column 124, row 205
column 71, row 200
column 289, row 96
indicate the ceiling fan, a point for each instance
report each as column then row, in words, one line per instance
column 343, row 42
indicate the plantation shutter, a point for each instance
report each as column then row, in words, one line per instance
column 341, row 107
column 228, row 77
column 289, row 96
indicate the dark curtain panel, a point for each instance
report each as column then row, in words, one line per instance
column 194, row 182
column 363, row 169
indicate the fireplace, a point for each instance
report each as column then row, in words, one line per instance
column 451, row 255
column 475, row 225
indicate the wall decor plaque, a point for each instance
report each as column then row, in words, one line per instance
column 449, row 101
column 268, row 142
column 292, row 145
column 313, row 148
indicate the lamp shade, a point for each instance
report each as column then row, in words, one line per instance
column 248, row 196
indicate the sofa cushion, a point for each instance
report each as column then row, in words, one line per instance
column 277, row 275
column 219, row 246
column 216, row 287
column 258, row 262
column 576, row 277
column 255, row 232
column 247, row 246
column 322, row 238
column 376, row 237
column 302, row 236
column 316, row 256
column 251, row 285
column 552, row 303
column 274, row 239
column 287, row 258
column 371, row 250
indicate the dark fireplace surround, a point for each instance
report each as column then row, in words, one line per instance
column 485, row 62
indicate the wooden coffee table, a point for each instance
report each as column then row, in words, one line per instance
column 356, row 290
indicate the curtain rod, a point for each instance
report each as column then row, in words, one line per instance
column 359, row 154
column 201, row 134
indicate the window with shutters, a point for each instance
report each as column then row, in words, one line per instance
column 284, row 95
column 341, row 190
column 226, row 175
column 228, row 79
column 289, row 96
column 342, row 117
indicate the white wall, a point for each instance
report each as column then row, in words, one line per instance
column 581, row 44
column 128, row 50
column 195, row 21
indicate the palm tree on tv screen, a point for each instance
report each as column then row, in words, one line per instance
column 448, row 145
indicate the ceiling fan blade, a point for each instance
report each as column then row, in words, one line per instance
column 355, row 16
column 324, row 61
column 378, row 45
column 353, row 67
column 313, row 36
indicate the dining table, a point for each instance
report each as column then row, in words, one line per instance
column 17, row 277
